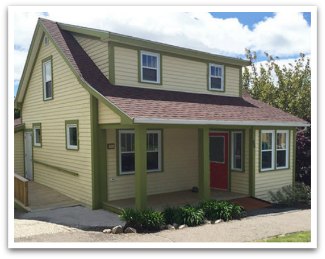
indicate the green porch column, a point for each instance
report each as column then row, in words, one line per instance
column 204, row 164
column 140, row 167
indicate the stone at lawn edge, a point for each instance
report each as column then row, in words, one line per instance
column 170, row 227
column 207, row 221
column 117, row 229
column 130, row 230
column 107, row 231
column 182, row 226
column 175, row 225
column 218, row 221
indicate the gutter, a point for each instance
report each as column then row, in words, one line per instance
column 217, row 122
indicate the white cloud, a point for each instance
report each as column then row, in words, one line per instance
column 283, row 35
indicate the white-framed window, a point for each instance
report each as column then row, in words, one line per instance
column 267, row 149
column 153, row 150
column 216, row 77
column 47, row 79
column 150, row 67
column 127, row 151
column 282, row 146
column 237, row 150
column 37, row 135
column 72, row 135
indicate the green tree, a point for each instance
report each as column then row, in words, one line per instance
column 287, row 88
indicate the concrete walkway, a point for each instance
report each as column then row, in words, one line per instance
column 245, row 230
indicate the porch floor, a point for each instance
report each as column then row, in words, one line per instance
column 41, row 197
column 161, row 201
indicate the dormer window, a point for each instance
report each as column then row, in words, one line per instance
column 47, row 79
column 150, row 67
column 216, row 77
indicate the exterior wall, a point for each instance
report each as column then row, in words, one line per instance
column 177, row 74
column 106, row 115
column 19, row 153
column 240, row 180
column 180, row 166
column 271, row 180
column 97, row 50
column 70, row 102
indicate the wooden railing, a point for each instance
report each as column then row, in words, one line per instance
column 21, row 189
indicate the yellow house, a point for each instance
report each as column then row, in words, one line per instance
column 107, row 117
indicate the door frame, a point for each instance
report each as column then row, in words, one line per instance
column 228, row 189
column 32, row 153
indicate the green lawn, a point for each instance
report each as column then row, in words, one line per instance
column 303, row 236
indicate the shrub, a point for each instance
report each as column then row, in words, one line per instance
column 192, row 216
column 173, row 215
column 292, row 195
column 224, row 210
column 146, row 220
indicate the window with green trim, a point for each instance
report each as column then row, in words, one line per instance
column 282, row 145
column 237, row 149
column 37, row 135
column 216, row 77
column 47, row 80
column 267, row 150
column 150, row 67
column 72, row 136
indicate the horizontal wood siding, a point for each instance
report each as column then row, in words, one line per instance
column 106, row 115
column 180, row 166
column 19, row 153
column 240, row 180
column 177, row 74
column 97, row 50
column 71, row 102
column 271, row 180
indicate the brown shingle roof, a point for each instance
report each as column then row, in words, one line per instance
column 160, row 104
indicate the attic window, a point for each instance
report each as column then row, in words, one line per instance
column 46, row 41
column 216, row 77
column 150, row 67
column 47, row 79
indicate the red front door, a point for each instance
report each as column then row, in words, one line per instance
column 219, row 160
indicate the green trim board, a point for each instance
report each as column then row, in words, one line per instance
column 252, row 153
column 67, row 122
column 204, row 164
column 49, row 58
column 111, row 63
column 34, row 125
column 241, row 82
column 61, row 169
column 20, row 127
column 294, row 154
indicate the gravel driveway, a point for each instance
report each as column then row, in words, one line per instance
column 245, row 230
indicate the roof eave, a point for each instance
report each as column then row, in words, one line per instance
column 219, row 122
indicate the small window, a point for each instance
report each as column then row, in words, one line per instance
column 37, row 135
column 47, row 80
column 46, row 41
column 72, row 135
column 150, row 67
column 282, row 140
column 153, row 150
column 216, row 77
column 267, row 150
column 237, row 150
column 217, row 149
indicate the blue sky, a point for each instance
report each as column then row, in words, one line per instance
column 225, row 33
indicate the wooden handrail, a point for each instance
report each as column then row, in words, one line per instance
column 21, row 189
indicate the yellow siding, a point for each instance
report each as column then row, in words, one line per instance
column 271, row 180
column 19, row 153
column 240, row 180
column 177, row 74
column 97, row 50
column 180, row 166
column 106, row 115
column 71, row 102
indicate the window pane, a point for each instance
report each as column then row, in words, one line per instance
column 281, row 141
column 152, row 161
column 266, row 159
column 152, row 142
column 237, row 150
column 266, row 141
column 149, row 74
column 48, row 89
column 215, row 83
column 144, row 60
column 127, row 142
column 213, row 70
column 217, row 149
column 281, row 158
column 73, row 136
column 37, row 136
column 127, row 162
column 48, row 72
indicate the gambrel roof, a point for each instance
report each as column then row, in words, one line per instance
column 142, row 105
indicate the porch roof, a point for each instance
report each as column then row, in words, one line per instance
column 167, row 107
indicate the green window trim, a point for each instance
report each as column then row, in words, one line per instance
column 44, row 61
column 70, row 124
column 118, row 152
column 223, row 77
column 159, row 67
column 37, row 126
column 242, row 167
column 274, row 150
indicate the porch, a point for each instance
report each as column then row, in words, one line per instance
column 172, row 199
